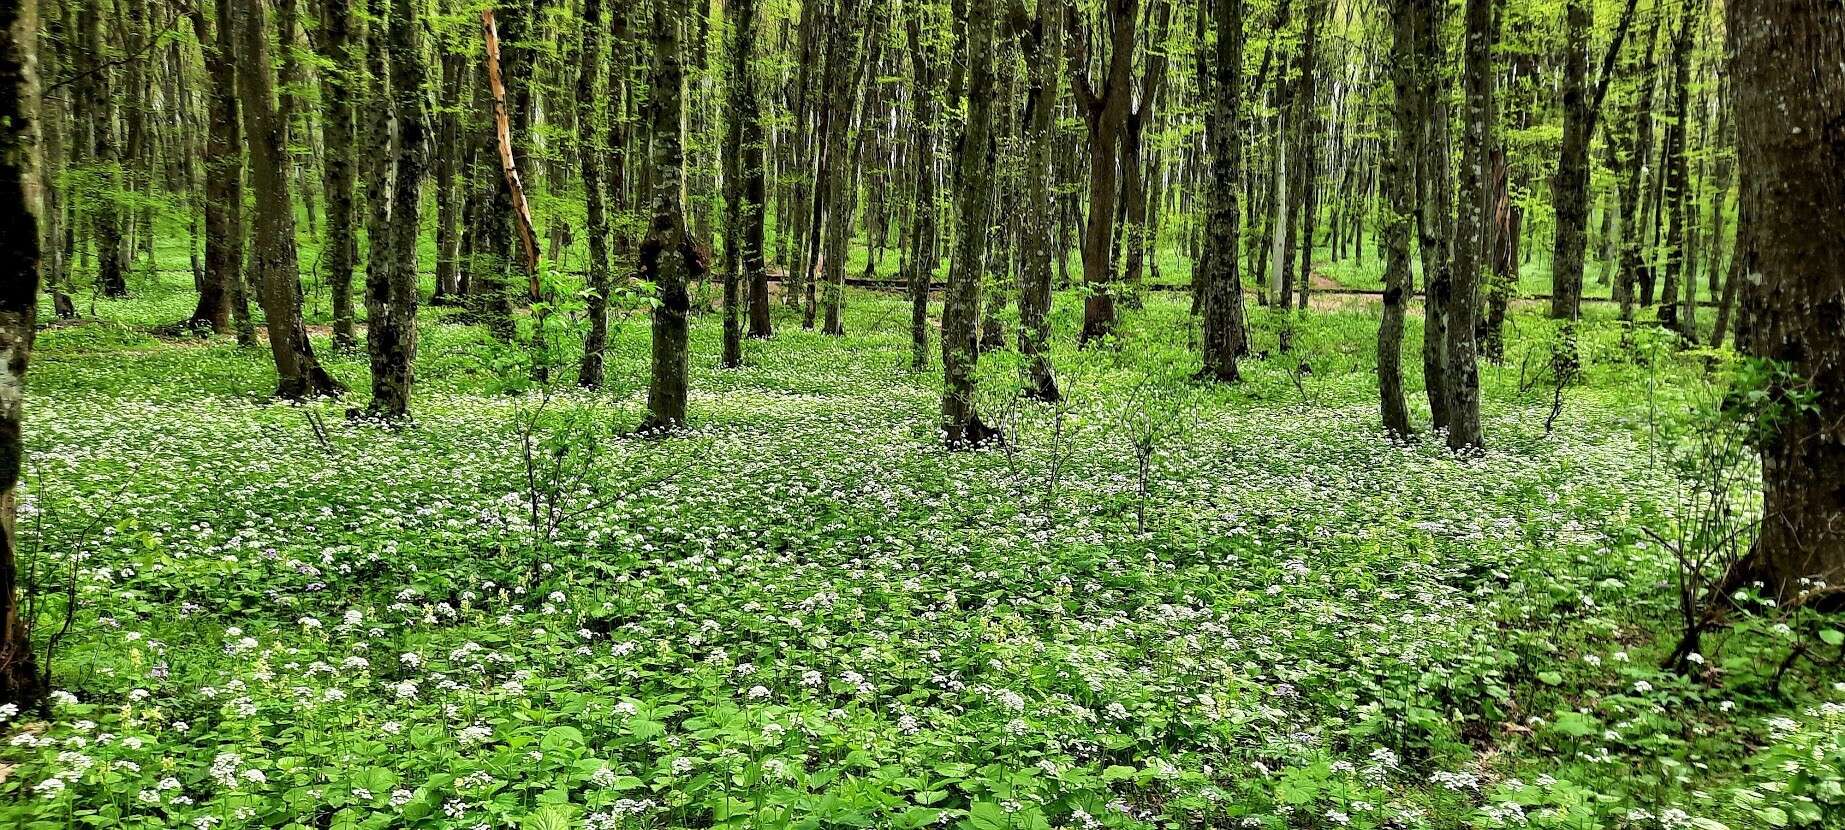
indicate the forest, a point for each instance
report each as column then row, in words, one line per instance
column 973, row 414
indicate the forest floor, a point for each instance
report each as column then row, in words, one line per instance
column 801, row 612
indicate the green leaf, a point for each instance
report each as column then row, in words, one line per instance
column 1831, row 636
column 1117, row 772
column 986, row 815
column 1550, row 678
column 548, row 817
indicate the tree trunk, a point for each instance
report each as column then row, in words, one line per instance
column 276, row 263
column 961, row 425
column 1678, row 174
column 1435, row 222
column 670, row 258
column 753, row 148
column 341, row 246
column 444, row 163
column 1104, row 113
column 391, row 296
column 1570, row 188
column 1790, row 102
column 221, row 294
column 591, row 370
column 1041, row 42
column 99, row 110
column 21, row 199
column 1225, row 338
column 1473, row 230
column 739, row 155
column 923, row 237
column 1393, row 236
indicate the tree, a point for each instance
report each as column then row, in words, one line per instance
column 590, row 371
column 923, row 255
column 961, row 424
column 1790, row 102
column 1434, row 197
column 1570, row 189
column 99, row 108
column 339, row 128
column 1104, row 112
column 275, row 260
column 1473, row 229
column 391, row 292
column 745, row 184
column 755, row 185
column 1224, row 337
column 844, row 71
column 670, row 259
column 21, row 199
column 1041, row 39
column 1399, row 187
column 222, row 298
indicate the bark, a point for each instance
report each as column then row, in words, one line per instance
column 1435, row 221
column 391, row 293
column 739, row 155
column 753, row 213
column 1224, row 335
column 446, row 159
column 1788, row 67
column 591, row 371
column 1473, row 230
column 669, row 257
column 1134, row 176
column 341, row 247
column 1041, row 41
column 99, row 110
column 1634, row 148
column 924, row 256
column 844, row 72
column 21, row 200
column 961, row 424
column 1677, row 175
column 1393, row 236
column 1570, row 188
column 275, row 259
column 221, row 292
column 1790, row 106
column 1104, row 113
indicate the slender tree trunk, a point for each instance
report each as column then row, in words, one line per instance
column 1042, row 42
column 1790, row 102
column 221, row 294
column 738, row 156
column 1435, row 222
column 961, row 425
column 21, row 199
column 1570, row 188
column 391, row 301
column 1104, row 113
column 341, row 245
column 753, row 149
column 1678, row 174
column 1393, row 236
column 590, row 150
column 1224, row 334
column 670, row 258
column 275, row 259
column 845, row 92
column 99, row 109
column 447, row 158
column 923, row 237
column 1473, row 230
